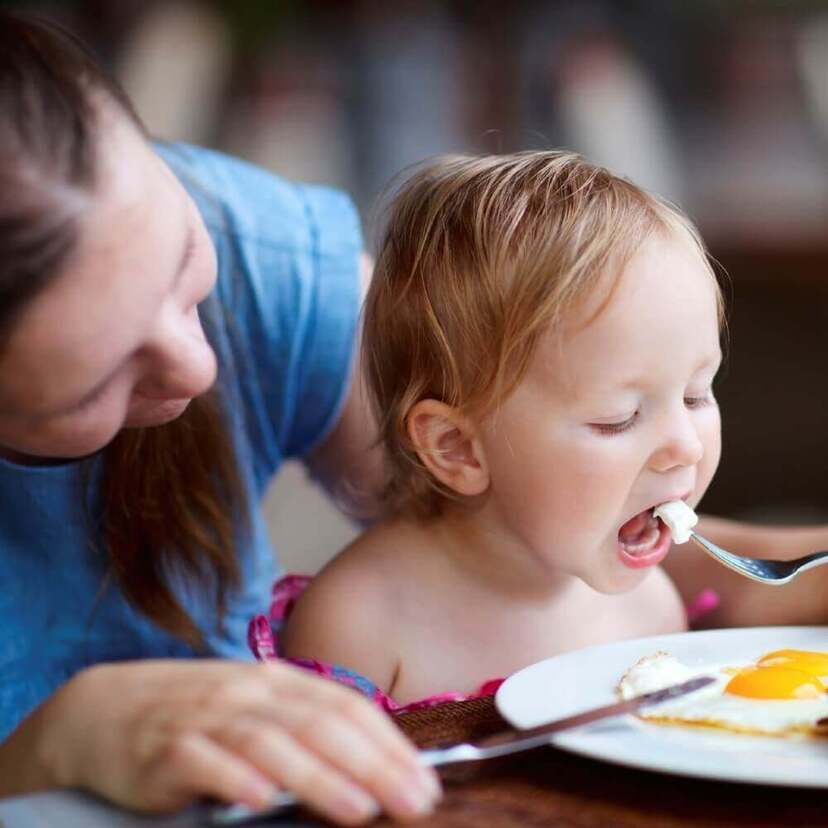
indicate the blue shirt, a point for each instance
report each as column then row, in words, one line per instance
column 282, row 319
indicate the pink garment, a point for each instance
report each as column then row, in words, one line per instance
column 263, row 637
column 706, row 601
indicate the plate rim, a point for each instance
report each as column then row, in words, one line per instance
column 576, row 744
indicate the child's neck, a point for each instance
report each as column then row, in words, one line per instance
column 480, row 552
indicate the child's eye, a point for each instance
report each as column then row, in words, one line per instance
column 700, row 401
column 616, row 428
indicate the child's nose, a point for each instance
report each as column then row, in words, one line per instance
column 681, row 446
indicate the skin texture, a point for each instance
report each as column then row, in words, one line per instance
column 528, row 567
column 612, row 420
column 619, row 420
column 94, row 353
column 116, row 342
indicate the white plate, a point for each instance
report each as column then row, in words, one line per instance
column 582, row 679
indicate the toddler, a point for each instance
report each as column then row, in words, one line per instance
column 541, row 338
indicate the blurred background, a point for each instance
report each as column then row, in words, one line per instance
column 719, row 105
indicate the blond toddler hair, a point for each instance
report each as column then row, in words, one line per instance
column 481, row 256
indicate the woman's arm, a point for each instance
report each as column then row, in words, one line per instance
column 746, row 603
column 348, row 463
column 156, row 735
column 25, row 765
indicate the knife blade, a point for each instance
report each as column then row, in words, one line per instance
column 499, row 744
column 513, row 740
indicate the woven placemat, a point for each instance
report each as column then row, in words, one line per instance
column 552, row 788
column 451, row 722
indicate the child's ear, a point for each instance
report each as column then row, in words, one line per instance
column 448, row 446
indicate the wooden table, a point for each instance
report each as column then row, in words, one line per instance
column 546, row 787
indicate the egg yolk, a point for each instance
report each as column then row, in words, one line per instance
column 815, row 664
column 774, row 682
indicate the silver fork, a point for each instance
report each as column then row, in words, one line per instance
column 775, row 573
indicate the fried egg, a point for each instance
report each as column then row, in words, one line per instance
column 782, row 693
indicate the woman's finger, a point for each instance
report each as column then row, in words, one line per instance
column 339, row 747
column 335, row 736
column 294, row 767
column 195, row 765
column 382, row 732
column 351, row 705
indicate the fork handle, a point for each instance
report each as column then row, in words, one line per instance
column 242, row 815
column 810, row 561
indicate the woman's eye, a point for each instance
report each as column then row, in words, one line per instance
column 616, row 428
column 87, row 402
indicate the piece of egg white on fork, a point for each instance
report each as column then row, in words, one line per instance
column 679, row 518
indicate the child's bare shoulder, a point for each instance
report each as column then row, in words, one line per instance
column 346, row 615
column 368, row 569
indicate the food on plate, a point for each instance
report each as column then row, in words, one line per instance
column 679, row 517
column 782, row 693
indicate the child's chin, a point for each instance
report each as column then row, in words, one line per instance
column 617, row 580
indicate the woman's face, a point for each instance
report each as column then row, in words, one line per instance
column 115, row 340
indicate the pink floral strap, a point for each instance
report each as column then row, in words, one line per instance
column 263, row 639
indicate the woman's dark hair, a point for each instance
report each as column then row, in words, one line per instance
column 172, row 497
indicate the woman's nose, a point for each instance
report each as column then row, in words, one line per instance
column 681, row 446
column 178, row 361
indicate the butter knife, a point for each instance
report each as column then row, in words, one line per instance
column 499, row 744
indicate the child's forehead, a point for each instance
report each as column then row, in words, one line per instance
column 630, row 269
column 661, row 306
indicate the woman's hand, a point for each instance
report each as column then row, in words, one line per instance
column 155, row 735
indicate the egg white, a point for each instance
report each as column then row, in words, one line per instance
column 711, row 707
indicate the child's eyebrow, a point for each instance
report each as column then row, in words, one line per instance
column 631, row 383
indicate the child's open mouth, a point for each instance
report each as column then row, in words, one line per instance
column 643, row 541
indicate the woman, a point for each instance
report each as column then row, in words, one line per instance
column 132, row 545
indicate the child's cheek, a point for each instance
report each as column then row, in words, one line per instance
column 712, row 451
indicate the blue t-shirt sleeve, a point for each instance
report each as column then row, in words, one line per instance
column 288, row 262
column 323, row 334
